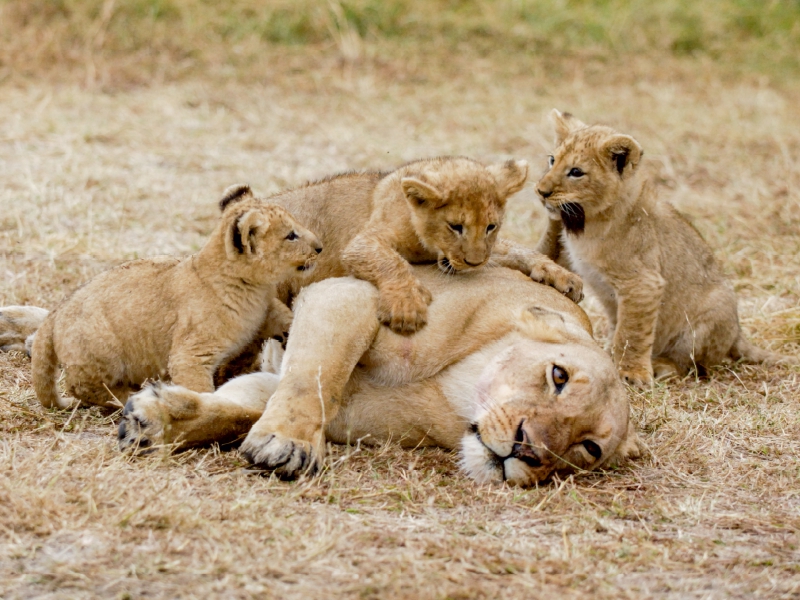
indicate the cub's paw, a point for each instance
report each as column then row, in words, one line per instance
column 18, row 325
column 286, row 457
column 405, row 310
column 556, row 276
column 144, row 420
column 637, row 377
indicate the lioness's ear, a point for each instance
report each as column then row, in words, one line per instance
column 564, row 124
column 419, row 193
column 510, row 176
column 623, row 150
column 542, row 326
column 242, row 233
column 234, row 193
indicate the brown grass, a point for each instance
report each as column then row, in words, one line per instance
column 95, row 175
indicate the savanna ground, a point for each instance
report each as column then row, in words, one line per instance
column 123, row 122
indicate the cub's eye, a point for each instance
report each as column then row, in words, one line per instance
column 551, row 160
column 490, row 227
column 560, row 378
column 575, row 172
column 593, row 449
column 292, row 236
column 459, row 229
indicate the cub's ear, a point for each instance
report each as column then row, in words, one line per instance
column 510, row 176
column 564, row 124
column 623, row 150
column 243, row 232
column 234, row 193
column 418, row 193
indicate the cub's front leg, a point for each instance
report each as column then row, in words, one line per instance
column 637, row 315
column 403, row 303
column 538, row 267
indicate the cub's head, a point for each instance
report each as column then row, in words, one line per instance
column 588, row 171
column 551, row 402
column 264, row 242
column 457, row 206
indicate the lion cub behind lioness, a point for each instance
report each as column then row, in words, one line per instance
column 181, row 318
column 668, row 303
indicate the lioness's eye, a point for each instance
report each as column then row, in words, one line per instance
column 292, row 236
column 575, row 172
column 593, row 449
column 560, row 378
column 456, row 228
column 491, row 227
column 551, row 160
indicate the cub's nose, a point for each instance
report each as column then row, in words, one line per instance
column 473, row 264
column 317, row 249
column 544, row 194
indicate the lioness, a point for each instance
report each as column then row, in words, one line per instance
column 668, row 303
column 513, row 379
column 164, row 316
column 446, row 209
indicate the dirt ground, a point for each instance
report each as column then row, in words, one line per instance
column 92, row 176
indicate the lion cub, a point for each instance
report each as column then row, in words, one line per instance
column 667, row 300
column 447, row 210
column 159, row 317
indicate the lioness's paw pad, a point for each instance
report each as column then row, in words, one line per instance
column 142, row 423
column 286, row 457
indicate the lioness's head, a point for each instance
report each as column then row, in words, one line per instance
column 588, row 170
column 457, row 206
column 552, row 401
column 264, row 242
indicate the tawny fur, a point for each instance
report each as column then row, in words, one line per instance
column 174, row 318
column 374, row 224
column 670, row 308
column 478, row 377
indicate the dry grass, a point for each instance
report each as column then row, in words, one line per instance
column 94, row 175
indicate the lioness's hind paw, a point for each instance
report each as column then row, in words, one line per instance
column 286, row 457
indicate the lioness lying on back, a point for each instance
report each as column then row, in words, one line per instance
column 154, row 317
column 665, row 295
column 447, row 210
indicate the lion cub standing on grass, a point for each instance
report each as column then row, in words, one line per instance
column 667, row 300
column 181, row 318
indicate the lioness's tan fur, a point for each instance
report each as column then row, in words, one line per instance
column 669, row 304
column 169, row 317
column 478, row 377
column 374, row 224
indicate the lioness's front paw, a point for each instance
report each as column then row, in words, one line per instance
column 638, row 377
column 144, row 419
column 556, row 276
column 287, row 458
column 405, row 310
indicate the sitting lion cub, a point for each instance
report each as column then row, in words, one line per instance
column 178, row 317
column 665, row 295
column 447, row 210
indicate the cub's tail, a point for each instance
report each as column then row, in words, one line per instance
column 44, row 365
column 744, row 350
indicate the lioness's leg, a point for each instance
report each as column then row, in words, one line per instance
column 538, row 267
column 171, row 414
column 334, row 325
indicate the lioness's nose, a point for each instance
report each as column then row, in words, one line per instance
column 544, row 193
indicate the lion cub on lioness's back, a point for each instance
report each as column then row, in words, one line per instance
column 181, row 318
column 447, row 210
column 668, row 303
